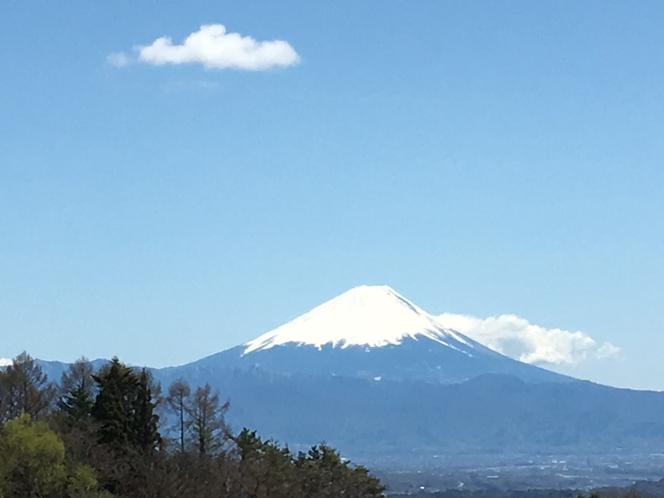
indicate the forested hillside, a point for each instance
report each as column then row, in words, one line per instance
column 113, row 432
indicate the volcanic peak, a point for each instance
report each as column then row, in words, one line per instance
column 371, row 316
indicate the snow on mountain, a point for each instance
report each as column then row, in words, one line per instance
column 5, row 362
column 369, row 332
column 371, row 316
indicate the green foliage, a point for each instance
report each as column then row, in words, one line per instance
column 32, row 462
column 81, row 478
column 125, row 409
column 265, row 468
column 77, row 404
column 113, row 406
column 104, row 434
column 143, row 420
column 324, row 473
column 269, row 470
column 77, row 391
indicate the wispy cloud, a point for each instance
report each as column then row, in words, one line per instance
column 519, row 339
column 213, row 47
column 117, row 59
column 5, row 362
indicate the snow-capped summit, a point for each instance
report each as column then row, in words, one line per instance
column 371, row 333
column 372, row 316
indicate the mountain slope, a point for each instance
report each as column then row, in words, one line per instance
column 369, row 332
column 404, row 422
column 372, row 316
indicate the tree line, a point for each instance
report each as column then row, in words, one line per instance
column 113, row 433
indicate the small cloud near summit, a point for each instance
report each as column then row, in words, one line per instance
column 213, row 47
column 5, row 362
column 519, row 339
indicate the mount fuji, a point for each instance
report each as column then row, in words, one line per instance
column 379, row 378
column 371, row 332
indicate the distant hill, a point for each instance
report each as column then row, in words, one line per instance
column 489, row 414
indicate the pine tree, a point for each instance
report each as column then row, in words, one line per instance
column 76, row 391
column 144, row 433
column 77, row 404
column 125, row 408
column 114, row 404
column 265, row 468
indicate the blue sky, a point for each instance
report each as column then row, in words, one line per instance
column 480, row 158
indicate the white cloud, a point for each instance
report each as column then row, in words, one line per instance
column 519, row 339
column 117, row 59
column 5, row 362
column 213, row 47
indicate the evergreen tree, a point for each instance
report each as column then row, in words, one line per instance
column 114, row 405
column 76, row 404
column 76, row 391
column 144, row 433
column 265, row 468
column 125, row 408
column 322, row 472
column 78, row 377
column 114, row 447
